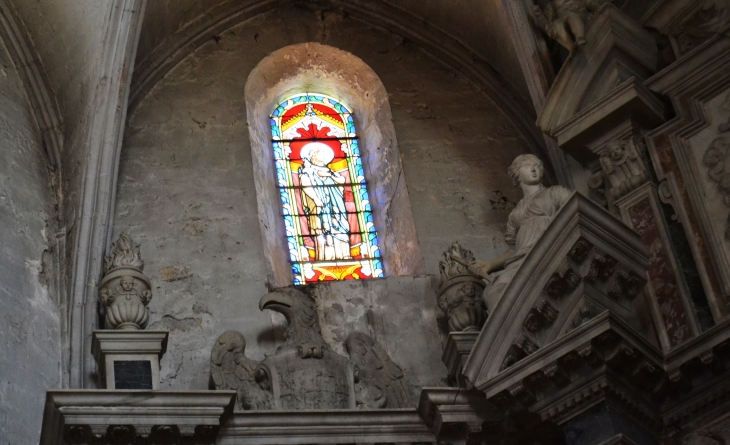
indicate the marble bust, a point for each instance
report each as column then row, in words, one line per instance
column 525, row 225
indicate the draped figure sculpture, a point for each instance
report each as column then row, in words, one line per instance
column 525, row 225
column 324, row 203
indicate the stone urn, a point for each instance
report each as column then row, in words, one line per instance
column 125, row 291
column 460, row 297
column 460, row 293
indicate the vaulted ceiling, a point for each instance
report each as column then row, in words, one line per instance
column 480, row 26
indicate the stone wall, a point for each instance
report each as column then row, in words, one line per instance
column 186, row 193
column 69, row 37
column 29, row 316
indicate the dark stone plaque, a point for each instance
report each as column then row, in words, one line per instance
column 132, row 374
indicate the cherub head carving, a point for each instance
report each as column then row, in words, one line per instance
column 616, row 150
column 127, row 283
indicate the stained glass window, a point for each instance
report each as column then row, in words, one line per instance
column 327, row 214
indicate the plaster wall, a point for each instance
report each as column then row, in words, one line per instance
column 186, row 192
column 30, row 350
column 69, row 38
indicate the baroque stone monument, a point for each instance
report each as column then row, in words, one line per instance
column 128, row 356
column 305, row 373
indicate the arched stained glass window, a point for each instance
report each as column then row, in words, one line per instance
column 327, row 213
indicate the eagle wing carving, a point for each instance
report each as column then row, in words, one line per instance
column 231, row 369
column 380, row 382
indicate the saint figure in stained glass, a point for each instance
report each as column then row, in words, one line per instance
column 323, row 199
column 326, row 209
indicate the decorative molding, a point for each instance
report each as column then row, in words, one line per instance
column 116, row 416
column 41, row 97
column 580, row 228
column 690, row 82
column 103, row 145
column 457, row 349
column 456, row 415
column 670, row 301
column 109, row 346
column 325, row 426
column 596, row 83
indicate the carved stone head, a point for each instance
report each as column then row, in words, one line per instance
column 127, row 283
column 519, row 162
column 616, row 150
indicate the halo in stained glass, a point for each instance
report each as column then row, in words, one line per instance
column 325, row 204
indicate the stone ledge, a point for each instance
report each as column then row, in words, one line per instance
column 80, row 416
column 457, row 415
column 325, row 426
column 128, row 342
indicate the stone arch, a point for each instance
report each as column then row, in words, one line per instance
column 37, row 87
column 432, row 40
column 311, row 67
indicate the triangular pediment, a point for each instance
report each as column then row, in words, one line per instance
column 618, row 53
column 587, row 263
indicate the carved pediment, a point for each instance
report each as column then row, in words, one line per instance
column 600, row 81
column 586, row 263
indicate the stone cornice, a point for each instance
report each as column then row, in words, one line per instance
column 579, row 218
column 325, row 426
column 83, row 416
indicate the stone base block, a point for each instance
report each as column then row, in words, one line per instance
column 129, row 359
column 458, row 347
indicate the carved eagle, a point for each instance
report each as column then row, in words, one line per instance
column 379, row 381
column 231, row 369
column 303, row 332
